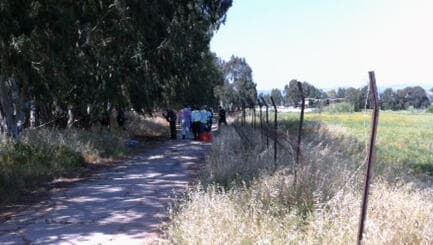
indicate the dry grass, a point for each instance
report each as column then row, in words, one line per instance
column 396, row 216
column 241, row 201
column 42, row 155
column 143, row 126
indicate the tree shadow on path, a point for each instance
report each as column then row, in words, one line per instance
column 122, row 204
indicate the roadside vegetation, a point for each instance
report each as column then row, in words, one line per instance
column 243, row 198
column 343, row 107
column 42, row 155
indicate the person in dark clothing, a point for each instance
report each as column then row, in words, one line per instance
column 209, row 122
column 121, row 118
column 196, row 124
column 222, row 116
column 171, row 117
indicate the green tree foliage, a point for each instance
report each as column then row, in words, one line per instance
column 92, row 54
column 239, row 89
column 293, row 95
column 341, row 93
column 277, row 96
column 355, row 97
column 389, row 100
column 403, row 99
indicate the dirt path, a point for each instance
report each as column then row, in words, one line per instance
column 119, row 205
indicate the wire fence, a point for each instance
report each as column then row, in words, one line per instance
column 282, row 144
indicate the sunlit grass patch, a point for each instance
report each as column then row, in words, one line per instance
column 404, row 139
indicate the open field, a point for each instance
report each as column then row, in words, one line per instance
column 403, row 138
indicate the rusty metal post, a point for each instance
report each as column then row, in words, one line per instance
column 275, row 128
column 301, row 124
column 260, row 115
column 267, row 120
column 371, row 155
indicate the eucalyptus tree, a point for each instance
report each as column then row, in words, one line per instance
column 87, row 55
column 238, row 83
column 293, row 95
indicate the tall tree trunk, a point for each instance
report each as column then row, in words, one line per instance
column 33, row 119
column 18, row 105
column 71, row 118
column 7, row 108
column 2, row 122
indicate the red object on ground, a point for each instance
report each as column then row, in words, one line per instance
column 206, row 137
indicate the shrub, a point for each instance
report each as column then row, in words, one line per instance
column 343, row 107
column 430, row 109
column 24, row 166
column 42, row 155
column 95, row 146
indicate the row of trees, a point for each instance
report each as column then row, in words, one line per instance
column 291, row 95
column 87, row 56
column 401, row 99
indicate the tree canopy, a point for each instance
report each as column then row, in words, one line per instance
column 239, row 89
column 93, row 54
column 403, row 99
column 293, row 95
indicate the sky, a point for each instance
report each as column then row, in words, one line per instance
column 331, row 43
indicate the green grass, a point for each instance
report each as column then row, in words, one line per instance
column 403, row 138
column 43, row 155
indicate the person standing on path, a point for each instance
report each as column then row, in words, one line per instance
column 186, row 117
column 171, row 117
column 210, row 119
column 222, row 117
column 196, row 117
column 121, row 118
column 204, row 119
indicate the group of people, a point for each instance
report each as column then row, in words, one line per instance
column 194, row 121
